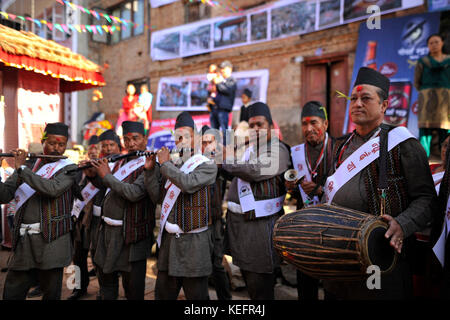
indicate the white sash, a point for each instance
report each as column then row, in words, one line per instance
column 360, row 159
column 439, row 247
column 173, row 192
column 437, row 178
column 298, row 154
column 247, row 200
column 88, row 192
column 128, row 169
column 24, row 192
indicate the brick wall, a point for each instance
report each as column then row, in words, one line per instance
column 130, row 59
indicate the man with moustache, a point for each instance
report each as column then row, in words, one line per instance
column 394, row 181
column 185, row 238
column 42, row 244
column 255, row 202
column 125, row 236
column 312, row 160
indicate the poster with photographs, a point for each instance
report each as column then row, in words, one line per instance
column 329, row 13
column 173, row 93
column 230, row 32
column 199, row 93
column 196, row 40
column 191, row 92
column 259, row 26
column 358, row 8
column 165, row 46
column 295, row 18
column 271, row 21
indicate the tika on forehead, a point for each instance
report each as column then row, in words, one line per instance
column 359, row 88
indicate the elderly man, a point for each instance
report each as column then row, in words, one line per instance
column 255, row 202
column 394, row 181
column 41, row 243
column 185, row 238
column 312, row 160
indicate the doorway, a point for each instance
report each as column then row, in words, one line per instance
column 321, row 77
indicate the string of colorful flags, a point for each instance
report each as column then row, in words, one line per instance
column 115, row 23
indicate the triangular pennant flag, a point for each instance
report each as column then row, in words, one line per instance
column 72, row 27
column 58, row 26
column 60, row 1
column 50, row 26
column 65, row 28
column 83, row 28
column 20, row 17
column 94, row 30
column 78, row 28
column 113, row 28
column 38, row 23
column 99, row 30
column 12, row 16
column 105, row 28
column 4, row 14
column 109, row 29
column 107, row 17
column 95, row 14
column 89, row 29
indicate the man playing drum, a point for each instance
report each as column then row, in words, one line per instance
column 312, row 161
column 399, row 186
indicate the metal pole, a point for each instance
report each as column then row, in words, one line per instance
column 32, row 16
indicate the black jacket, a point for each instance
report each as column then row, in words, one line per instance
column 226, row 92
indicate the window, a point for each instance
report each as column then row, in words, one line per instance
column 194, row 11
column 54, row 14
column 130, row 10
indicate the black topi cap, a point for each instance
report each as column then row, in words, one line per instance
column 314, row 109
column 184, row 119
column 133, row 126
column 57, row 128
column 374, row 78
column 260, row 109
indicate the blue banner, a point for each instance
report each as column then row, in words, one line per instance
column 394, row 50
column 438, row 5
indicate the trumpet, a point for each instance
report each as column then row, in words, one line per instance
column 292, row 175
column 34, row 155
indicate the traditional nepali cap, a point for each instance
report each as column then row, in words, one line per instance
column 205, row 128
column 109, row 135
column 260, row 109
column 57, row 128
column 133, row 126
column 93, row 140
column 248, row 92
column 184, row 119
column 374, row 78
column 314, row 109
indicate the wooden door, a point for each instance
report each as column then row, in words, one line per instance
column 337, row 106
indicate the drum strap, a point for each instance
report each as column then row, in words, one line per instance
column 382, row 181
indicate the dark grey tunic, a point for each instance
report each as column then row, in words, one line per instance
column 250, row 242
column 420, row 188
column 111, row 253
column 32, row 250
column 190, row 254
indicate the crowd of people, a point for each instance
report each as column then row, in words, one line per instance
column 107, row 206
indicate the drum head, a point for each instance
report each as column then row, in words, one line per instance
column 377, row 250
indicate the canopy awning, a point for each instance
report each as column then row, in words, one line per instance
column 27, row 51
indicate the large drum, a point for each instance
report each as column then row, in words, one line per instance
column 330, row 242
